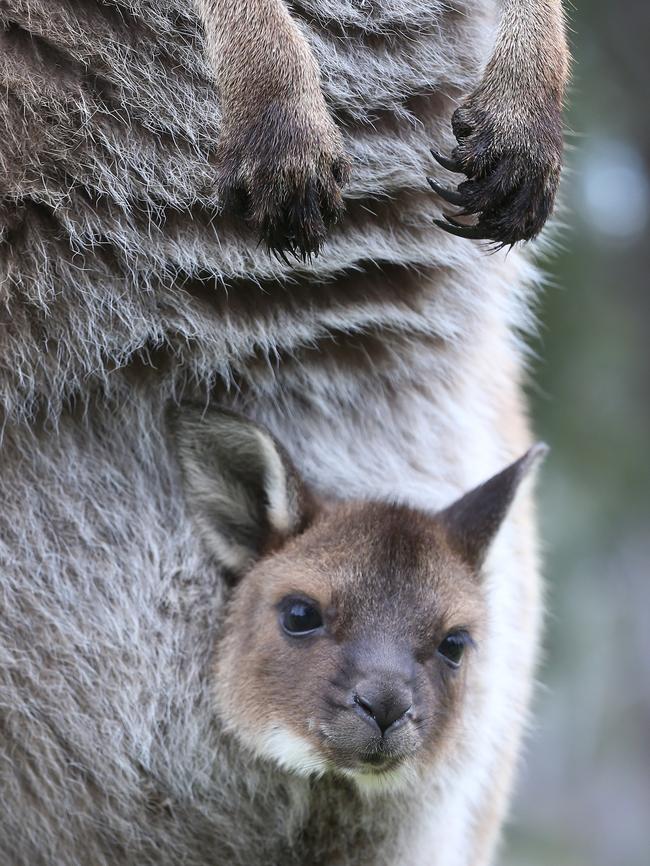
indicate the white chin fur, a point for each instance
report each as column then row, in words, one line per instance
column 389, row 782
column 296, row 755
column 291, row 752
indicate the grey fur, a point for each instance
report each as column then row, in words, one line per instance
column 122, row 287
column 109, row 217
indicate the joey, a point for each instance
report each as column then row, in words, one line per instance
column 349, row 648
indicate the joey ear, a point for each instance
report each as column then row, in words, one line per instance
column 245, row 494
column 474, row 519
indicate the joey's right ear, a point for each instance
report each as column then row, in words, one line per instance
column 244, row 493
column 473, row 521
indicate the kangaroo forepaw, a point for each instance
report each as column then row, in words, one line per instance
column 284, row 177
column 512, row 164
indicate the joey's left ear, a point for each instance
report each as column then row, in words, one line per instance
column 245, row 494
column 474, row 519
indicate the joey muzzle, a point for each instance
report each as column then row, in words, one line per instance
column 374, row 726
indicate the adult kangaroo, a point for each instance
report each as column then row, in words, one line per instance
column 132, row 209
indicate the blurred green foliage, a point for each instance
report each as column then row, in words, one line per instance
column 584, row 799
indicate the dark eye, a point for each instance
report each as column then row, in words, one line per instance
column 299, row 616
column 453, row 647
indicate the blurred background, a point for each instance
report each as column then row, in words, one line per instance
column 584, row 795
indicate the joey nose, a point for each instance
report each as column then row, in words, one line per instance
column 381, row 705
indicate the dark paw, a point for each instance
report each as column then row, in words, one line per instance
column 512, row 177
column 287, row 185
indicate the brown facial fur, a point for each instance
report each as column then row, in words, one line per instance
column 391, row 589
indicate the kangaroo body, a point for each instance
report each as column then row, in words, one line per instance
column 390, row 366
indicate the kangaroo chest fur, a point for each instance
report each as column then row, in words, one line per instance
column 111, row 223
column 389, row 364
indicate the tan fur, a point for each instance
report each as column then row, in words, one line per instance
column 509, row 130
column 337, row 562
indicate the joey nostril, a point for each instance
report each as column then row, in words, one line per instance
column 384, row 708
column 365, row 705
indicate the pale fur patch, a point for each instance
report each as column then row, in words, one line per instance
column 291, row 751
column 275, row 485
column 371, row 784
column 295, row 754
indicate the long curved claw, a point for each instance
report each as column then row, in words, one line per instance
column 446, row 162
column 472, row 233
column 453, row 221
column 449, row 195
column 280, row 254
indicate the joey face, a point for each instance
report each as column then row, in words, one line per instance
column 349, row 650
column 353, row 632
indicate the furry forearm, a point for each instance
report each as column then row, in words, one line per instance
column 256, row 51
column 280, row 160
column 531, row 48
column 509, row 130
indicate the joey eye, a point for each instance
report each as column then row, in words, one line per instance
column 299, row 616
column 453, row 647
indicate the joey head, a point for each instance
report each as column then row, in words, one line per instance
column 351, row 637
